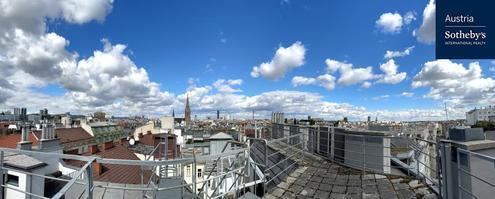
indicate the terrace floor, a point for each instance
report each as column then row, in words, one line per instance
column 316, row 177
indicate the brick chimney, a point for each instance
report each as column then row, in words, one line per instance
column 98, row 168
column 140, row 135
column 107, row 145
column 93, row 149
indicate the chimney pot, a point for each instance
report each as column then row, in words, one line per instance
column 93, row 149
column 107, row 145
column 24, row 133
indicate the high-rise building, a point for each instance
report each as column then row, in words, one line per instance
column 44, row 114
column 24, row 113
column 17, row 111
column 278, row 117
column 218, row 114
column 21, row 113
column 187, row 112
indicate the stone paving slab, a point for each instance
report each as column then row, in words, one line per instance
column 316, row 177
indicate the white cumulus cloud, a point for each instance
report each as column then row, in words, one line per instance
column 389, row 23
column 225, row 86
column 28, row 50
column 391, row 76
column 326, row 80
column 448, row 80
column 426, row 32
column 348, row 74
column 392, row 23
column 285, row 59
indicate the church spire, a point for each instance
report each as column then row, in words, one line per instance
column 187, row 112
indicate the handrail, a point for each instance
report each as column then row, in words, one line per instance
column 72, row 181
column 153, row 169
column 216, row 162
column 291, row 146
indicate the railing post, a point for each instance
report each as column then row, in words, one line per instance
column 408, row 159
column 166, row 156
column 328, row 141
column 332, row 142
column 417, row 166
column 317, row 134
column 364, row 155
column 439, row 168
column 265, row 172
column 459, row 181
column 447, row 171
column 194, row 174
column 182, row 177
column 89, row 180
column 1, row 175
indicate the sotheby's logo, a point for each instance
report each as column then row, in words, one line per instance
column 463, row 30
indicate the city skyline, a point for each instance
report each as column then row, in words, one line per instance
column 134, row 58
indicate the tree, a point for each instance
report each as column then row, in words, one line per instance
column 486, row 125
column 100, row 116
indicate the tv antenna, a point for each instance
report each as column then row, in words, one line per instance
column 446, row 112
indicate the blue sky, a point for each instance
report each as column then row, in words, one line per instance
column 176, row 41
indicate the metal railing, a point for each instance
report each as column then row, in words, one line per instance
column 259, row 164
column 475, row 174
column 377, row 153
column 237, row 172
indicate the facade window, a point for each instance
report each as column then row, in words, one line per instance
column 12, row 180
column 188, row 171
column 199, row 173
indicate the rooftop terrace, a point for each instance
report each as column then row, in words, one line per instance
column 316, row 177
column 320, row 162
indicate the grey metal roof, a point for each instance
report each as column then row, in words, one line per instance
column 221, row 136
column 22, row 161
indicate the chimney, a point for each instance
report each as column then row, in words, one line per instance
column 107, row 145
column 24, row 133
column 98, row 168
column 24, row 144
column 140, row 135
column 93, row 149
column 51, row 132
column 148, row 133
column 44, row 132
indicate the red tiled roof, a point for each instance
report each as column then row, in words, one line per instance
column 4, row 125
column 116, row 173
column 10, row 141
column 120, row 173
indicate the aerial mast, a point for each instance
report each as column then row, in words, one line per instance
column 446, row 112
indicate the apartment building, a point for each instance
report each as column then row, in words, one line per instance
column 480, row 114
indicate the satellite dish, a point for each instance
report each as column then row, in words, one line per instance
column 132, row 142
